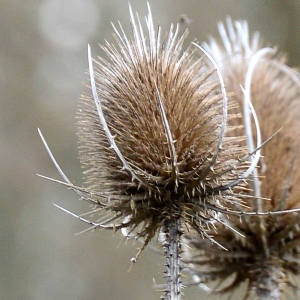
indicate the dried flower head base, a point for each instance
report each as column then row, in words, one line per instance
column 160, row 142
column 268, row 258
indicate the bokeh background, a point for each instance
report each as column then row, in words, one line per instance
column 43, row 61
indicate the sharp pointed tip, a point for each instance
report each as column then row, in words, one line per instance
column 40, row 133
column 89, row 52
column 130, row 11
column 149, row 7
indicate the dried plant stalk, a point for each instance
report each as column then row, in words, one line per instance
column 172, row 247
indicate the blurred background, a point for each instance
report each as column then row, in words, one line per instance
column 43, row 45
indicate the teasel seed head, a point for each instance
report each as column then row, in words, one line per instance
column 154, row 139
column 267, row 258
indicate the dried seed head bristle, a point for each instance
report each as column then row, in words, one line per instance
column 267, row 258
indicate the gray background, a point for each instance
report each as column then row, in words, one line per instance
column 42, row 71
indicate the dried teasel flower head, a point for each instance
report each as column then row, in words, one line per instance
column 267, row 259
column 154, row 136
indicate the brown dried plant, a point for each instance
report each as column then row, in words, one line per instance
column 158, row 152
column 267, row 259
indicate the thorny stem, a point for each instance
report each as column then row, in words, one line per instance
column 172, row 252
column 269, row 281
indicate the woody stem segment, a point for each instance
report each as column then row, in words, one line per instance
column 172, row 252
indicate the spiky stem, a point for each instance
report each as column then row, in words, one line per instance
column 269, row 281
column 172, row 251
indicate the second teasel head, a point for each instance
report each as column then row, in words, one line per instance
column 265, row 254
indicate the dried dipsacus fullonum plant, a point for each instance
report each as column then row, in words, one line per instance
column 161, row 143
column 265, row 255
